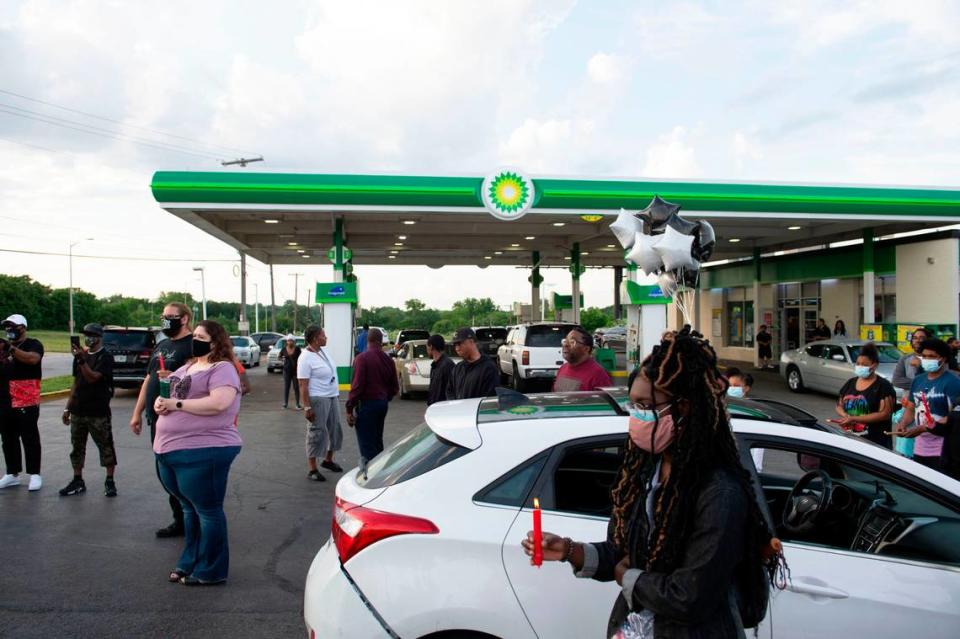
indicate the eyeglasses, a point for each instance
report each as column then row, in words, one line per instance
column 571, row 342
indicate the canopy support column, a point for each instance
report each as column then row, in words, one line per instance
column 244, row 326
column 617, row 281
column 535, row 281
column 756, row 302
column 273, row 303
column 869, row 292
column 576, row 270
column 339, row 274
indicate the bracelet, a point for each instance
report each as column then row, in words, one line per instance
column 568, row 550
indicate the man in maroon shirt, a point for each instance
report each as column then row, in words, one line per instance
column 374, row 384
column 580, row 372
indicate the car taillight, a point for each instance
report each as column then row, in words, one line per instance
column 412, row 368
column 525, row 358
column 356, row 527
column 144, row 356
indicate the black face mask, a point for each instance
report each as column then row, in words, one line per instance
column 200, row 348
column 91, row 342
column 14, row 333
column 171, row 327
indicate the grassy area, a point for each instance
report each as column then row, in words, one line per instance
column 53, row 341
column 54, row 384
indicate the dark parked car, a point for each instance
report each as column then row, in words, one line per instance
column 131, row 349
column 490, row 339
column 614, row 337
column 266, row 339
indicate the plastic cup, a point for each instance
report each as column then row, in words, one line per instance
column 165, row 387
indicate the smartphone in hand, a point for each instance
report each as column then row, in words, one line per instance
column 75, row 342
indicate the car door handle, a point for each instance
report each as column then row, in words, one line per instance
column 805, row 587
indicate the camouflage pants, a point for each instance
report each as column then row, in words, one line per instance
column 100, row 430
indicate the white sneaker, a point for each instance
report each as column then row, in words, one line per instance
column 36, row 481
column 9, row 480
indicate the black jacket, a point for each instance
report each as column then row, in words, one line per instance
column 473, row 379
column 695, row 600
column 440, row 371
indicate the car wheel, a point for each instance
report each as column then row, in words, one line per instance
column 795, row 380
column 404, row 393
column 518, row 383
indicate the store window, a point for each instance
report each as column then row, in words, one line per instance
column 740, row 329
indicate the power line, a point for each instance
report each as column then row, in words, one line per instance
column 93, row 130
column 122, row 123
column 115, row 257
column 32, row 146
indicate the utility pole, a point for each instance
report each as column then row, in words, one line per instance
column 256, row 307
column 273, row 304
column 296, row 282
column 203, row 288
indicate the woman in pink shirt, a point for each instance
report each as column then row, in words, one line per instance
column 197, row 440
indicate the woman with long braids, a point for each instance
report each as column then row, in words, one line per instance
column 686, row 542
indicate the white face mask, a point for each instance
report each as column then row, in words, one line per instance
column 929, row 365
column 862, row 372
column 735, row 391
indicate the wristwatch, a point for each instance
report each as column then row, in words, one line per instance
column 179, row 405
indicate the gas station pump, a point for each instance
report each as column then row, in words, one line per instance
column 338, row 300
column 646, row 319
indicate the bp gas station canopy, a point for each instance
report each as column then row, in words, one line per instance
column 281, row 218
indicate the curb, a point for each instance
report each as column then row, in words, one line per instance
column 48, row 397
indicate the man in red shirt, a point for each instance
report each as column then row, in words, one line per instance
column 580, row 372
column 374, row 384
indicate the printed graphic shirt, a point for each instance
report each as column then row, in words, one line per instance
column 932, row 399
column 24, row 379
column 856, row 403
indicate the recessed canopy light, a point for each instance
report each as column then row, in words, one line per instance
column 498, row 252
column 394, row 252
column 585, row 253
column 271, row 221
column 515, row 245
column 734, row 240
column 591, row 218
column 409, row 222
column 292, row 243
column 401, row 237
column 530, row 237
column 300, row 251
column 794, row 228
column 398, row 243
column 391, row 257
column 305, row 257
column 567, row 257
column 487, row 257
column 611, row 246
column 559, row 223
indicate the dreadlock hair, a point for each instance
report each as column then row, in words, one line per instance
column 685, row 366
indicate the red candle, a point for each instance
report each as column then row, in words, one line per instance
column 537, row 534
column 160, row 357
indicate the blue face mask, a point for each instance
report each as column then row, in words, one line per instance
column 862, row 372
column 735, row 391
column 930, row 365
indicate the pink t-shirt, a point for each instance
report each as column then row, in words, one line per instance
column 588, row 375
column 181, row 430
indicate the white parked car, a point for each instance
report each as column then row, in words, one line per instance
column 273, row 355
column 246, row 350
column 427, row 543
column 532, row 351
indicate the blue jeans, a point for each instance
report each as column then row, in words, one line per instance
column 198, row 478
column 370, row 417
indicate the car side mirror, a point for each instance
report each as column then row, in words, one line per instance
column 839, row 358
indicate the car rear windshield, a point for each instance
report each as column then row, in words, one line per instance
column 406, row 336
column 888, row 354
column 420, row 351
column 418, row 452
column 239, row 341
column 547, row 336
column 491, row 334
column 128, row 340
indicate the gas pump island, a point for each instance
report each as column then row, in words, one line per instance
column 338, row 301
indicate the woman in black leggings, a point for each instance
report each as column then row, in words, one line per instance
column 290, row 353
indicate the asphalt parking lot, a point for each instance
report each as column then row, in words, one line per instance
column 88, row 566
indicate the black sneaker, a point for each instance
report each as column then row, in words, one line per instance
column 315, row 475
column 173, row 530
column 75, row 487
column 333, row 467
column 109, row 488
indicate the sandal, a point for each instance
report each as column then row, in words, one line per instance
column 316, row 476
column 189, row 580
column 176, row 575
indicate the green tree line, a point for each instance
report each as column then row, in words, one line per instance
column 48, row 308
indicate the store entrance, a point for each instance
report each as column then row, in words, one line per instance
column 799, row 309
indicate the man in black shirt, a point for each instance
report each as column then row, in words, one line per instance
column 477, row 374
column 440, row 369
column 20, row 369
column 88, row 410
column 764, row 352
column 175, row 352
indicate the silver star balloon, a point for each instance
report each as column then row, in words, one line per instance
column 626, row 227
column 668, row 283
column 644, row 253
column 674, row 249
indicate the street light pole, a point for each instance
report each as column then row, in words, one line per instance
column 203, row 288
column 70, row 260
column 256, row 308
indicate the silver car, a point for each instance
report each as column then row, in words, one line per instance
column 246, row 350
column 273, row 356
column 826, row 365
column 413, row 366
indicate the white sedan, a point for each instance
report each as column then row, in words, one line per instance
column 427, row 543
column 246, row 350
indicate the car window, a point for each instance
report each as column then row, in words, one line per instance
column 513, row 488
column 815, row 350
column 888, row 354
column 548, row 336
column 511, row 336
column 239, row 341
column 420, row 351
column 583, row 478
column 128, row 340
column 873, row 509
column 830, row 351
column 402, row 353
column 418, row 452
column 491, row 334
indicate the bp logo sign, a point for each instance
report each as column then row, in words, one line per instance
column 507, row 194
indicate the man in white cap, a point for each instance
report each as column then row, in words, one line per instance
column 20, row 376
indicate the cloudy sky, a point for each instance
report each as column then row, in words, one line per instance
column 95, row 95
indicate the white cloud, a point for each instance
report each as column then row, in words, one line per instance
column 604, row 68
column 548, row 146
column 744, row 148
column 672, row 156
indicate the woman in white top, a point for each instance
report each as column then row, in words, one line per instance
column 317, row 376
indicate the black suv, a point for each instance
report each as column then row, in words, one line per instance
column 131, row 349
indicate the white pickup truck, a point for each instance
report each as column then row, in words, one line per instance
column 532, row 351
